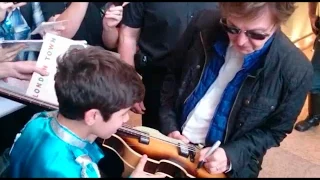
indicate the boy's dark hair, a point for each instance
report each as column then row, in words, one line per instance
column 93, row 78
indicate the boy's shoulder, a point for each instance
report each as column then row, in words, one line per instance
column 50, row 156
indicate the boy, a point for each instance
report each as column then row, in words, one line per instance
column 95, row 91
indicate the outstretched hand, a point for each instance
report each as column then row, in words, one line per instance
column 22, row 70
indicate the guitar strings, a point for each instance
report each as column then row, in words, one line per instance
column 188, row 147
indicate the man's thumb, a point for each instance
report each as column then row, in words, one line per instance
column 182, row 138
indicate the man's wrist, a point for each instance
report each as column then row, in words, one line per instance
column 108, row 28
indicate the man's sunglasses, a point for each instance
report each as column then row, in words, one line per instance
column 249, row 33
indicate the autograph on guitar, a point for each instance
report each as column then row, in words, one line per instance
column 165, row 155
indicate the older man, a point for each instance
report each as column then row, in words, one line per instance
column 239, row 80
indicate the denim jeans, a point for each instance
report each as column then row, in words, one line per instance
column 316, row 67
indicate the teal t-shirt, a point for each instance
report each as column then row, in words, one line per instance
column 45, row 148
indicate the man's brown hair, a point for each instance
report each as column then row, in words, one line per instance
column 93, row 78
column 250, row 10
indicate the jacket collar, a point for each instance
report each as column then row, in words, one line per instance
column 64, row 133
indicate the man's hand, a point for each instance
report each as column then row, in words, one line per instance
column 313, row 21
column 112, row 17
column 138, row 108
column 8, row 54
column 53, row 18
column 7, row 7
column 217, row 162
column 57, row 29
column 179, row 136
column 21, row 70
column 140, row 173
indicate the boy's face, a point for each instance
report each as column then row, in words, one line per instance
column 105, row 129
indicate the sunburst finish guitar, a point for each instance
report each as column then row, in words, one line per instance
column 165, row 155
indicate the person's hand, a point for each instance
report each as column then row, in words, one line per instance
column 57, row 29
column 125, row 3
column 9, row 53
column 53, row 18
column 138, row 108
column 140, row 173
column 179, row 136
column 313, row 21
column 22, row 70
column 7, row 7
column 112, row 17
column 215, row 163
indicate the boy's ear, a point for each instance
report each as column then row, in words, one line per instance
column 92, row 116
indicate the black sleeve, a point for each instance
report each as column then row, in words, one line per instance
column 169, row 91
column 254, row 144
column 133, row 14
column 99, row 4
column 51, row 8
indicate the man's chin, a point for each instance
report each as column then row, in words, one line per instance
column 245, row 51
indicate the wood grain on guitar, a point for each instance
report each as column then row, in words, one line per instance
column 165, row 155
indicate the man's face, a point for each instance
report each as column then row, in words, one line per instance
column 253, row 34
column 105, row 129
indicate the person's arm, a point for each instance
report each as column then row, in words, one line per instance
column 110, row 36
column 128, row 43
column 74, row 14
column 169, row 92
column 313, row 16
column 110, row 33
column 133, row 14
column 22, row 70
column 312, row 8
column 254, row 144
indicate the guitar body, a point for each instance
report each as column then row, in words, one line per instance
column 163, row 156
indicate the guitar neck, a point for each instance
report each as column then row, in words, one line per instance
column 145, row 133
column 24, row 99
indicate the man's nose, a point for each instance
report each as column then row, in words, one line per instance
column 241, row 39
